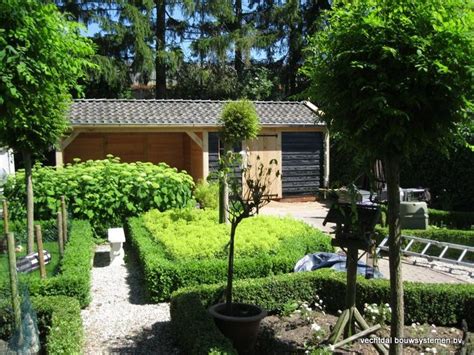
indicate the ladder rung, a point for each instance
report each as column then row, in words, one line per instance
column 462, row 255
column 425, row 249
column 444, row 251
column 409, row 245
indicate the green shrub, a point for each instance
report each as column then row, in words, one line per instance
column 451, row 219
column 207, row 194
column 165, row 272
column 195, row 329
column 59, row 319
column 196, row 234
column 105, row 192
column 441, row 304
column 49, row 229
column 59, row 323
column 454, row 236
column 74, row 276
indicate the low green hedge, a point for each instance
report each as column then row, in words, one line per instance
column 455, row 236
column 451, row 219
column 60, row 323
column 74, row 276
column 441, row 304
column 163, row 274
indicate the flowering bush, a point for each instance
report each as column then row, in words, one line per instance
column 380, row 314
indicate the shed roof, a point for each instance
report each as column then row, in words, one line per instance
column 107, row 112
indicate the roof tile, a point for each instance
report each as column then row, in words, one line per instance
column 107, row 112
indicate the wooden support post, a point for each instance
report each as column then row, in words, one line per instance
column 351, row 265
column 5, row 216
column 60, row 234
column 3, row 238
column 358, row 335
column 64, row 214
column 14, row 285
column 39, row 244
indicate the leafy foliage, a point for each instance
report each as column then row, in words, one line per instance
column 442, row 304
column 42, row 55
column 59, row 323
column 451, row 219
column 105, row 191
column 239, row 121
column 207, row 194
column 60, row 320
column 195, row 234
column 393, row 77
column 164, row 273
column 74, row 278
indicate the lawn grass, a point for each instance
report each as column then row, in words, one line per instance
column 51, row 268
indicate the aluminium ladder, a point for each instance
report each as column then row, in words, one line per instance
column 428, row 243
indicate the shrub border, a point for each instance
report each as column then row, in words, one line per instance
column 442, row 304
column 451, row 219
column 59, row 318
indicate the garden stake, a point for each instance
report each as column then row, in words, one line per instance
column 3, row 239
column 39, row 242
column 5, row 216
column 14, row 286
column 64, row 212
column 60, row 234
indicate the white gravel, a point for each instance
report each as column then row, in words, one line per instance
column 118, row 321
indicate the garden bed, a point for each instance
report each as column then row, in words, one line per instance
column 299, row 332
column 441, row 304
column 182, row 248
column 68, row 277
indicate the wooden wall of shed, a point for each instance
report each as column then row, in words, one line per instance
column 174, row 149
column 193, row 157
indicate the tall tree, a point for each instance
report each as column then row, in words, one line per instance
column 393, row 77
column 42, row 55
column 284, row 27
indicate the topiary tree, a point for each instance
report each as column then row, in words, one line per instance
column 42, row 55
column 239, row 122
column 393, row 77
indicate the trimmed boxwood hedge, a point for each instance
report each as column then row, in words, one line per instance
column 451, row 219
column 441, row 304
column 59, row 323
column 164, row 275
column 74, row 276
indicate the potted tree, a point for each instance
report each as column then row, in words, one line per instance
column 240, row 200
column 238, row 321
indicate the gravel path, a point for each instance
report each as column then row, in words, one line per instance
column 118, row 321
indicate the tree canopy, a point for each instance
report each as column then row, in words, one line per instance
column 42, row 55
column 392, row 77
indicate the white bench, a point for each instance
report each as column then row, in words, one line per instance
column 116, row 237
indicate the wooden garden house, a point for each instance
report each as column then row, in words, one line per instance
column 184, row 134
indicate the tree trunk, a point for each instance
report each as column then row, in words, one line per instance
column 230, row 270
column 392, row 165
column 238, row 60
column 29, row 202
column 224, row 187
column 160, row 63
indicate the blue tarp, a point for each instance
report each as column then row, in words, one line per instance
column 334, row 261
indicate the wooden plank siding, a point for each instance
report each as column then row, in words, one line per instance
column 302, row 162
column 173, row 148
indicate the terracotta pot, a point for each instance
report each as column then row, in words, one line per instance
column 241, row 327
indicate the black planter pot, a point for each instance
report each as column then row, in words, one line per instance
column 241, row 327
